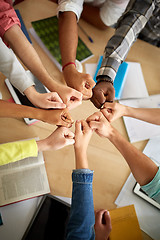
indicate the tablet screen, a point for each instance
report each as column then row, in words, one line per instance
column 137, row 190
column 50, row 220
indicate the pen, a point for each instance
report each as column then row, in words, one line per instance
column 90, row 39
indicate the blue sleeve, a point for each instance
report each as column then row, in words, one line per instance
column 82, row 219
column 153, row 188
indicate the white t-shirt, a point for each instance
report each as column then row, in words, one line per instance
column 110, row 10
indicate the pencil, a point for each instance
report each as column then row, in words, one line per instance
column 90, row 39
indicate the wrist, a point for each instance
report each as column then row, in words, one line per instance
column 42, row 145
column 128, row 111
column 81, row 159
column 68, row 64
column 112, row 135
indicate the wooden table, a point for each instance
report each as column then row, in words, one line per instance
column 110, row 169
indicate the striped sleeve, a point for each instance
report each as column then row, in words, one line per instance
column 129, row 26
column 14, row 151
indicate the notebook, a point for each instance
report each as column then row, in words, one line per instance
column 45, row 32
column 23, row 179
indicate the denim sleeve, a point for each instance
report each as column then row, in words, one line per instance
column 81, row 221
column 153, row 188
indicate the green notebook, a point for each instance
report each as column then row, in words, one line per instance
column 45, row 32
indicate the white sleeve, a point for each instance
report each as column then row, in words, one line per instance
column 112, row 10
column 13, row 70
column 75, row 6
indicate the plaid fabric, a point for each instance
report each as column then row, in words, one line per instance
column 137, row 14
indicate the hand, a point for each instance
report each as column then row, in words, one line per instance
column 60, row 138
column 82, row 136
column 102, row 92
column 44, row 100
column 79, row 81
column 70, row 96
column 112, row 111
column 102, row 225
column 100, row 124
column 58, row 117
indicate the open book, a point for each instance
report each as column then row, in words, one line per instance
column 23, row 179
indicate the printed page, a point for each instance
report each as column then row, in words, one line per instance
column 31, row 161
column 139, row 130
column 22, row 184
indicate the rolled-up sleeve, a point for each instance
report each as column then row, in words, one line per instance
column 75, row 6
column 8, row 17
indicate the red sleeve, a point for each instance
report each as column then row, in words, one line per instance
column 8, row 17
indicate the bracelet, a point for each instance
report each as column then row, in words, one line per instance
column 68, row 64
column 105, row 80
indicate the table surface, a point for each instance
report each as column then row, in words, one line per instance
column 110, row 168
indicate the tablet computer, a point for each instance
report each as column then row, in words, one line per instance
column 137, row 190
column 49, row 221
column 22, row 99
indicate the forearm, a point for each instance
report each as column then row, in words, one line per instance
column 91, row 14
column 151, row 115
column 24, row 50
column 81, row 159
column 142, row 167
column 12, row 110
column 68, row 36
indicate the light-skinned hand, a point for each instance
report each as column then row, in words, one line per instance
column 60, row 138
column 82, row 82
column 44, row 100
column 103, row 92
column 113, row 111
column 83, row 134
column 100, row 124
column 71, row 97
column 102, row 225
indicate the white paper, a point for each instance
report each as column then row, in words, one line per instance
column 148, row 215
column 139, row 130
column 91, row 68
column 134, row 86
